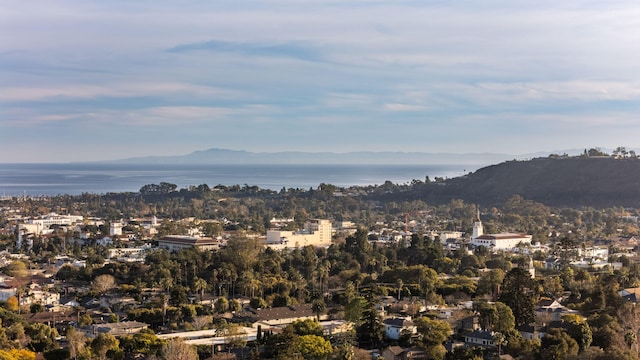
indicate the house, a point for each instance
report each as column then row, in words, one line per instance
column 115, row 329
column 53, row 318
column 392, row 353
column 394, row 327
column 537, row 332
column 467, row 323
column 278, row 316
column 551, row 310
column 398, row 353
column 630, row 294
column 480, row 338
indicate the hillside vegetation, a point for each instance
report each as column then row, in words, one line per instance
column 555, row 181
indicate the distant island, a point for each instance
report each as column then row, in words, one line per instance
column 226, row 157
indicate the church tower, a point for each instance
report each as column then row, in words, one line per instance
column 478, row 230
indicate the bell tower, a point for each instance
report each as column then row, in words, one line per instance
column 478, row 230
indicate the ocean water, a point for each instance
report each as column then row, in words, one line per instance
column 75, row 179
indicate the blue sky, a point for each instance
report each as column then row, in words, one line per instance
column 94, row 80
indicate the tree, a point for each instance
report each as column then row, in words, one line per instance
column 306, row 327
column 103, row 283
column 211, row 229
column 371, row 329
column 557, row 344
column 312, row 347
column 102, row 343
column 495, row 316
column 200, row 285
column 579, row 330
column 42, row 337
column 12, row 304
column 16, row 268
column 399, row 285
column 490, row 282
column 432, row 334
column 519, row 292
column 500, row 340
column 177, row 349
column 17, row 354
column 77, row 342
column 318, row 307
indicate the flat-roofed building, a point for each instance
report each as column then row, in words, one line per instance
column 175, row 243
column 316, row 232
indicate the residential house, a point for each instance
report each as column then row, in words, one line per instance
column 278, row 316
column 538, row 331
column 630, row 294
column 398, row 353
column 480, row 338
column 394, row 327
column 551, row 310
column 115, row 329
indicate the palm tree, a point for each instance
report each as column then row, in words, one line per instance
column 400, row 285
column 500, row 340
column 200, row 285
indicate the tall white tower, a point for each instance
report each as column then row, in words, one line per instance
column 478, row 230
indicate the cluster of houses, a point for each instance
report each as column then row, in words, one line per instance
column 42, row 289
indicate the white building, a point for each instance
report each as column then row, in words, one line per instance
column 115, row 229
column 504, row 241
column 447, row 235
column 394, row 327
column 45, row 222
column 316, row 233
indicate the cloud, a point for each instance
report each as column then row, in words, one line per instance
column 300, row 51
column 282, row 69
column 123, row 90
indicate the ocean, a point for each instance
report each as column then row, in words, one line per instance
column 75, row 179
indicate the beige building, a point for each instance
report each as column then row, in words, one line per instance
column 315, row 233
column 175, row 243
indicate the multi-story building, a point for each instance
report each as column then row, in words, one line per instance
column 316, row 232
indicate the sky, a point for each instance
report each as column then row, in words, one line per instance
column 98, row 80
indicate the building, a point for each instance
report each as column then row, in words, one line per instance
column 315, row 233
column 394, row 327
column 551, row 310
column 479, row 338
column 43, row 224
column 175, row 243
column 115, row 229
column 278, row 316
column 450, row 235
column 115, row 329
column 504, row 241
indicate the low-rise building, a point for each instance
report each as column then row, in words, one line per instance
column 395, row 327
column 115, row 329
column 175, row 243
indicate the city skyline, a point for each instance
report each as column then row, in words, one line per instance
column 83, row 81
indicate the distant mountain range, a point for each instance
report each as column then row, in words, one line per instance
column 226, row 156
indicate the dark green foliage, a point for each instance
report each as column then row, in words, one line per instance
column 519, row 292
